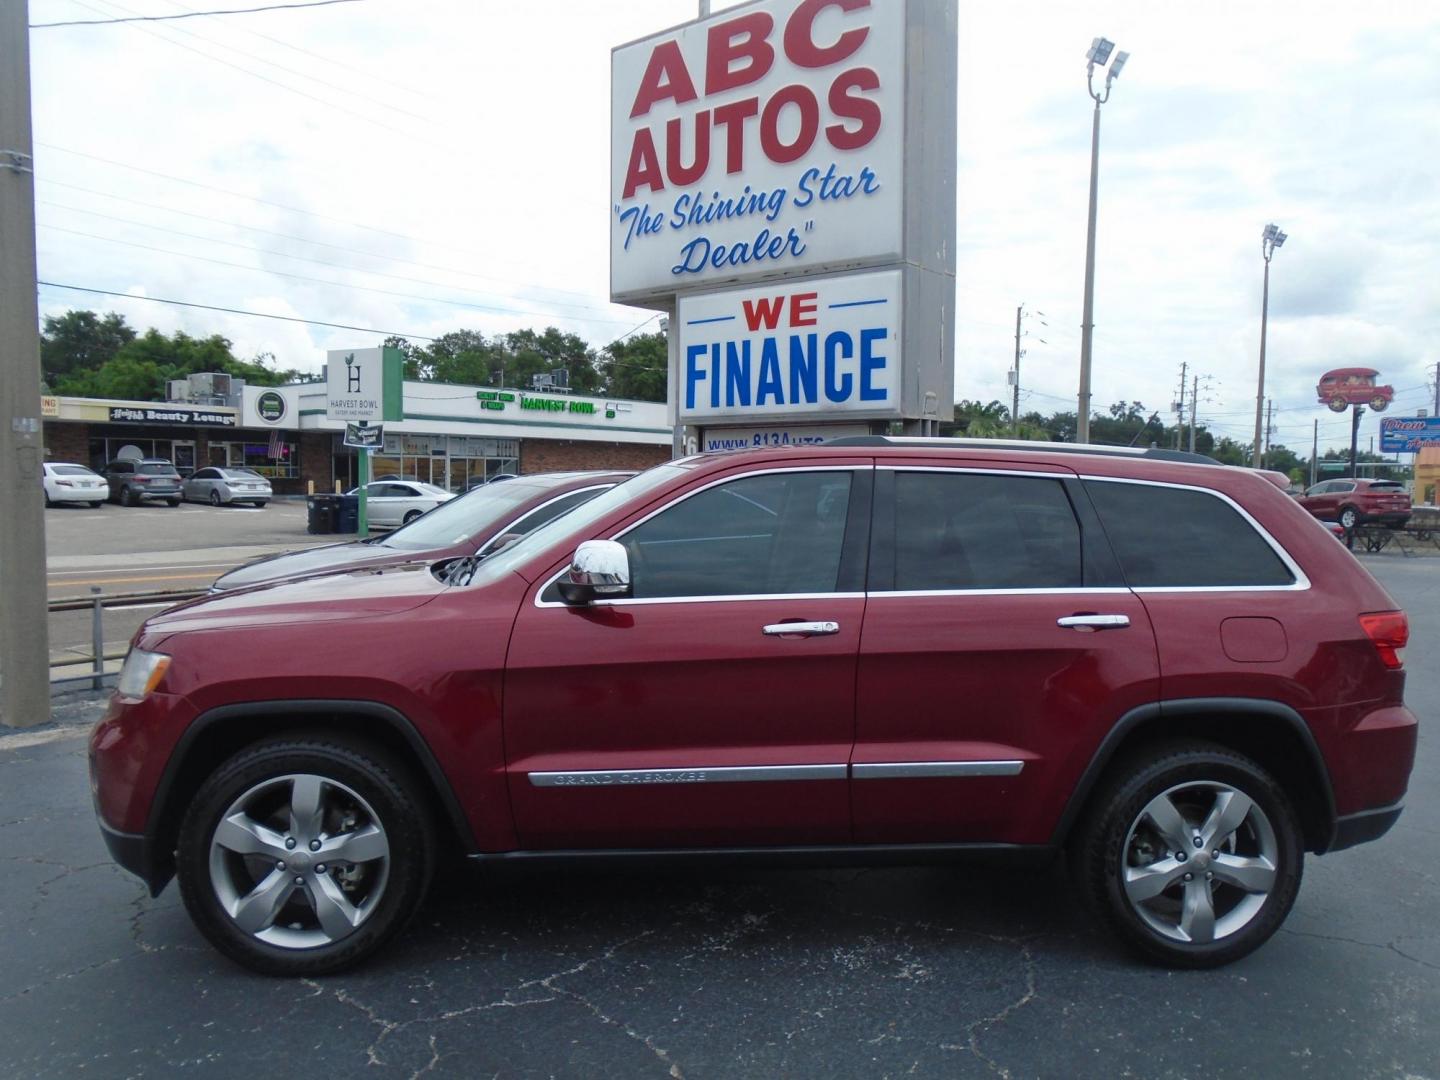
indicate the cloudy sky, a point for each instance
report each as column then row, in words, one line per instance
column 418, row 166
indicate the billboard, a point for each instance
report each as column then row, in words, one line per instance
column 1408, row 434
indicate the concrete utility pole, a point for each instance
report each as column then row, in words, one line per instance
column 1269, row 428
column 1015, row 389
column 24, row 615
column 1194, row 408
column 1437, row 389
column 1179, row 409
column 1314, row 452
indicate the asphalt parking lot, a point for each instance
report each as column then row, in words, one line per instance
column 725, row 971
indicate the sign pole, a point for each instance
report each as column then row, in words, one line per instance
column 362, row 525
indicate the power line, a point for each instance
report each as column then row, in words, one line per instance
column 233, row 311
column 305, row 240
column 192, row 14
column 272, row 251
column 488, row 308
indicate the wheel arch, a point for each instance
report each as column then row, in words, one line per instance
column 1270, row 732
column 223, row 731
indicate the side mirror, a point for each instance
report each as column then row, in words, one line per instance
column 501, row 542
column 599, row 570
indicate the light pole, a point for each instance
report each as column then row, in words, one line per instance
column 1098, row 55
column 1270, row 239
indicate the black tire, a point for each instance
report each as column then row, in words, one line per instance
column 411, row 516
column 260, row 504
column 1349, row 517
column 172, row 502
column 397, row 807
column 127, row 497
column 1111, row 842
column 49, row 502
column 214, row 497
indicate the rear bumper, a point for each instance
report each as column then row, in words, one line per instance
column 1352, row 829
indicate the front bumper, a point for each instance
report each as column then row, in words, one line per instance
column 133, row 852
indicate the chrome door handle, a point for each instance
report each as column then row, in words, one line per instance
column 808, row 629
column 1094, row 622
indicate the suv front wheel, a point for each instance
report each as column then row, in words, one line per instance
column 301, row 856
column 1192, row 854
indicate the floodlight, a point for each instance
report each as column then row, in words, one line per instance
column 1279, row 238
column 1269, row 233
column 1100, row 51
column 1120, row 58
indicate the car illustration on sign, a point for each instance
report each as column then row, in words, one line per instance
column 1343, row 387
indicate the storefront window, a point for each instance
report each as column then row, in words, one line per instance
column 453, row 462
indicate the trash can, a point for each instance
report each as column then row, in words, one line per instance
column 321, row 513
column 347, row 513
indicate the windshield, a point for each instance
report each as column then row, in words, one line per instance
column 459, row 519
column 571, row 527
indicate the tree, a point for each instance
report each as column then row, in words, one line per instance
column 141, row 369
column 636, row 367
column 80, row 341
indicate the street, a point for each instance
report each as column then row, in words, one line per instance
column 720, row 971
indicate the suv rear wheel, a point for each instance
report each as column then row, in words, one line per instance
column 1349, row 517
column 1191, row 854
column 302, row 856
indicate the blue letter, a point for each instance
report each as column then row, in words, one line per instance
column 737, row 374
column 871, row 362
column 837, row 342
column 770, row 382
column 692, row 372
column 802, row 370
column 689, row 262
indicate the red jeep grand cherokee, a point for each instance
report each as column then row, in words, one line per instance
column 876, row 648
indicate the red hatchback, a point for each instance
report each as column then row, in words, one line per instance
column 1359, row 502
column 873, row 649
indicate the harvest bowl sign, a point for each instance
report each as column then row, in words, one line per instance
column 763, row 142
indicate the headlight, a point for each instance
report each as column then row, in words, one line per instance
column 141, row 673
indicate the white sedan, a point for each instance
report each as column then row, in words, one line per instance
column 396, row 502
column 73, row 483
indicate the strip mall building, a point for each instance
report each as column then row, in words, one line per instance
column 451, row 435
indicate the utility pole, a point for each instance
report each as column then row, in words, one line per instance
column 1437, row 389
column 1015, row 377
column 1194, row 408
column 1180, row 406
column 1357, row 411
column 24, row 614
column 1314, row 452
column 1270, row 239
column 1269, row 428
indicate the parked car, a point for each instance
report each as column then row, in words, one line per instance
column 66, row 483
column 871, row 649
column 223, row 486
column 477, row 523
column 147, row 480
column 1343, row 387
column 1359, row 502
column 395, row 502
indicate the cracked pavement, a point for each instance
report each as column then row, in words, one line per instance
column 723, row 971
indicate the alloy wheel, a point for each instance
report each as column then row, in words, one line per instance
column 299, row 861
column 1200, row 862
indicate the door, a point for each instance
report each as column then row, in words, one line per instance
column 184, row 457
column 1000, row 645
column 383, row 503
column 689, row 715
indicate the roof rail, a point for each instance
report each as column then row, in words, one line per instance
column 1156, row 453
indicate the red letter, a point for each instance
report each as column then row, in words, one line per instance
column 765, row 311
column 680, row 175
column 853, row 107
column 738, row 39
column 800, row 44
column 665, row 77
column 644, row 167
column 802, row 303
column 770, row 142
column 732, row 117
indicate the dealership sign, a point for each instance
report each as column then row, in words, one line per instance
column 766, row 140
column 1408, row 434
column 827, row 348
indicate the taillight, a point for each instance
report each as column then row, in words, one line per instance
column 1388, row 631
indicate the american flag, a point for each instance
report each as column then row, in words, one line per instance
column 275, row 445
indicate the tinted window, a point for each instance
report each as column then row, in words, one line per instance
column 206, row 474
column 73, row 470
column 1342, row 485
column 971, row 531
column 777, row 533
column 156, row 469
column 121, row 467
column 1173, row 537
column 1386, row 485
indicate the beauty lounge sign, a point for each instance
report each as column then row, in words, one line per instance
column 766, row 141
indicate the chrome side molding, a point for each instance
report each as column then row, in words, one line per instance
column 751, row 774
